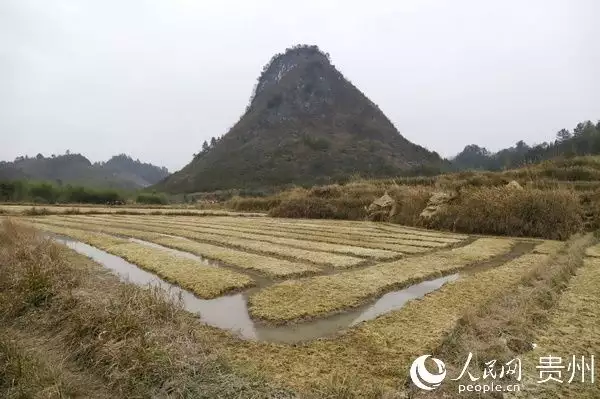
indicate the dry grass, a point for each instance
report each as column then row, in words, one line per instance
column 504, row 327
column 201, row 279
column 552, row 214
column 316, row 296
column 549, row 247
column 375, row 229
column 130, row 339
column 205, row 281
column 276, row 245
column 430, row 234
column 594, row 251
column 38, row 273
column 371, row 231
column 24, row 375
column 350, row 201
column 251, row 204
column 272, row 267
column 30, row 368
column 483, row 205
column 101, row 210
column 407, row 243
column 571, row 330
column 141, row 346
column 377, row 353
column 309, row 254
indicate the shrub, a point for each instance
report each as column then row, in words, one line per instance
column 410, row 202
column 151, row 199
column 506, row 211
column 331, row 191
column 33, row 211
column 311, row 208
column 36, row 274
column 256, row 204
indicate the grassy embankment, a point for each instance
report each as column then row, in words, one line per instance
column 558, row 198
column 69, row 329
column 571, row 330
column 548, row 307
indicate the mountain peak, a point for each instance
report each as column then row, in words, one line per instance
column 283, row 64
column 305, row 124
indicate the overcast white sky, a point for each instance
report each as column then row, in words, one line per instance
column 154, row 79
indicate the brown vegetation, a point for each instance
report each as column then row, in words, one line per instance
column 305, row 124
column 506, row 326
column 131, row 339
column 502, row 210
column 533, row 212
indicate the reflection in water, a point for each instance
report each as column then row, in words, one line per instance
column 396, row 299
column 230, row 312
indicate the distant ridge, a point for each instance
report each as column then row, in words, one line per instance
column 305, row 124
column 120, row 171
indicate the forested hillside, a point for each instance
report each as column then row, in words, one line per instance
column 584, row 139
column 120, row 171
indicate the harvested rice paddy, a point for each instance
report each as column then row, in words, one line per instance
column 319, row 295
column 204, row 280
column 287, row 274
column 110, row 210
column 382, row 349
column 572, row 330
column 250, row 240
column 164, row 230
column 266, row 232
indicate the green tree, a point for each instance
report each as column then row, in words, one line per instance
column 563, row 135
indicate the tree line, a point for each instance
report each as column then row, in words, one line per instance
column 208, row 145
column 43, row 192
column 584, row 139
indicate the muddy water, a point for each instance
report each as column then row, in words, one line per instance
column 231, row 312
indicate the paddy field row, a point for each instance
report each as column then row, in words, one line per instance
column 42, row 209
column 572, row 334
column 309, row 278
column 272, row 267
column 204, row 280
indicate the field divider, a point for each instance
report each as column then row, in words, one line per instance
column 315, row 256
column 264, row 243
column 401, row 245
column 379, row 352
column 570, row 330
column 376, row 227
column 364, row 230
column 320, row 235
column 117, row 210
column 239, row 260
column 321, row 296
column 203, row 280
column 365, row 233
